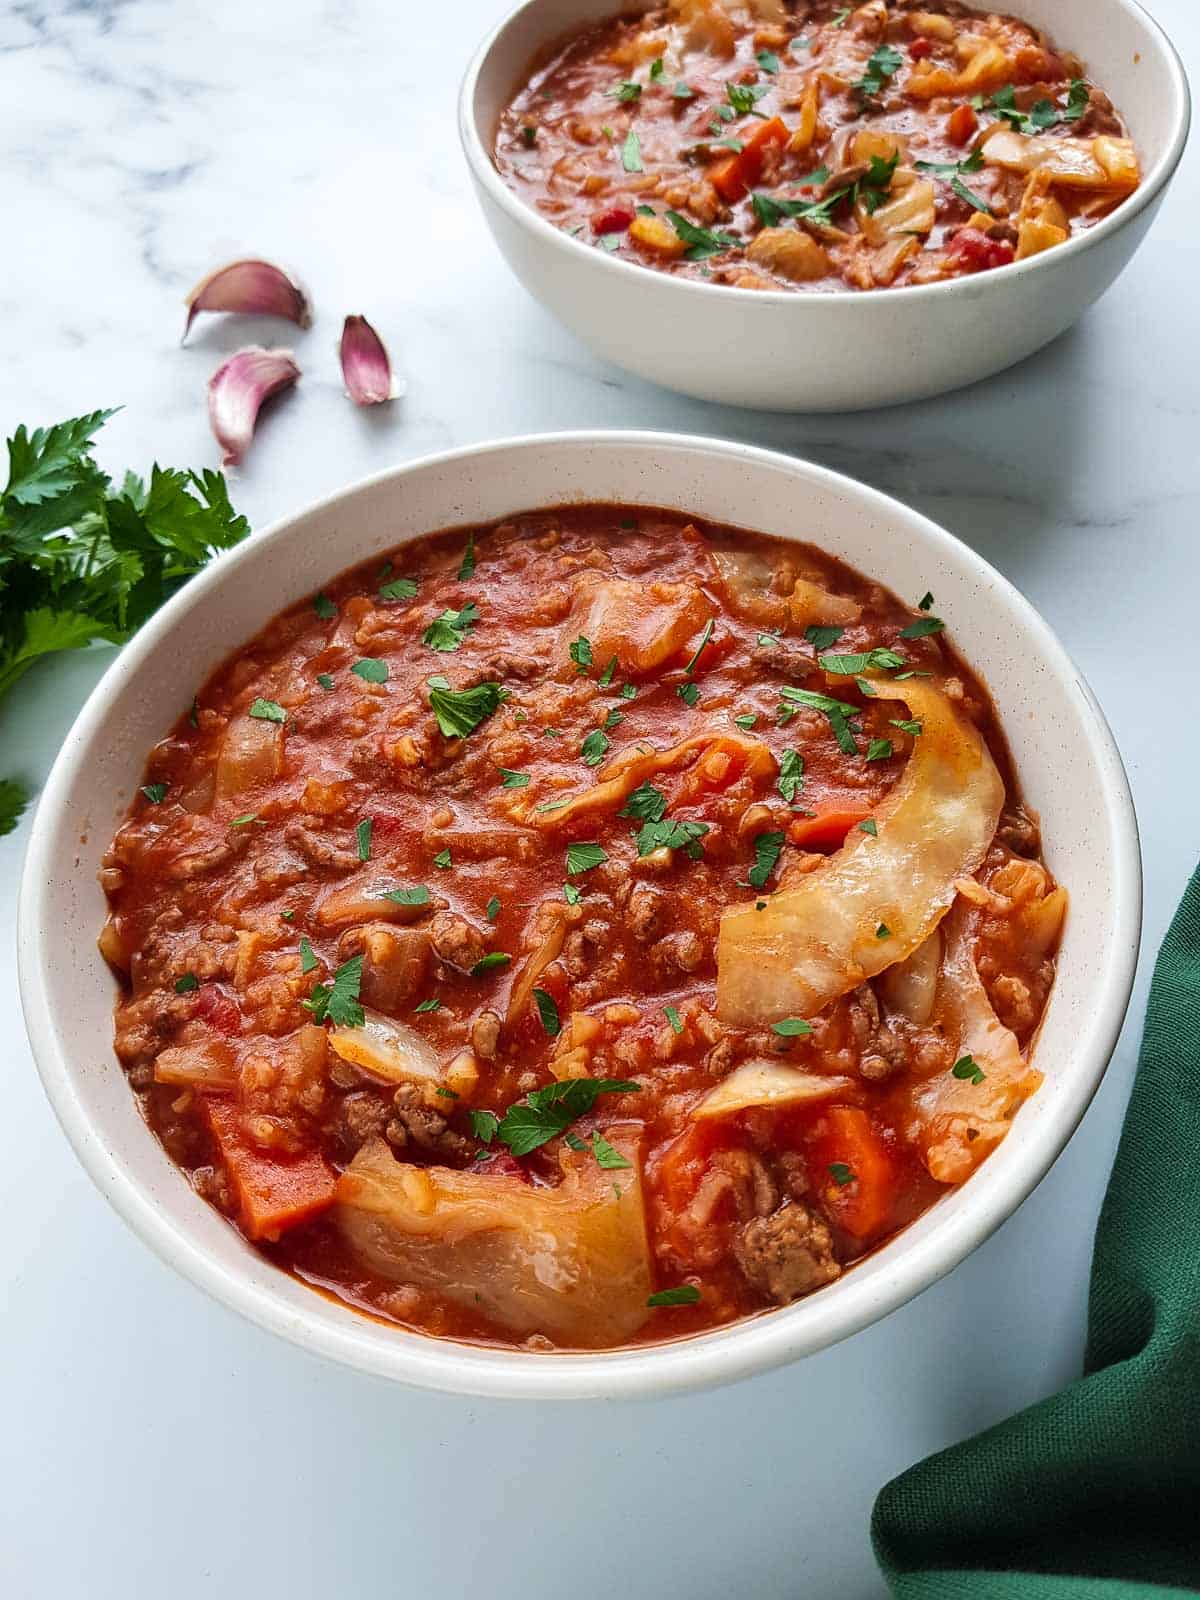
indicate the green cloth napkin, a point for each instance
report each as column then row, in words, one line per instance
column 1094, row 1494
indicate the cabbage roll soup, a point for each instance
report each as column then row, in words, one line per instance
column 781, row 144
column 585, row 930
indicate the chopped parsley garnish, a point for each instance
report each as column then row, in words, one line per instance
column 837, row 711
column 371, row 670
column 884, row 63
column 911, row 727
column 594, row 747
column 268, row 711
column 194, row 713
column 746, row 720
column 975, row 201
column 624, row 92
column 606, row 677
column 489, row 963
column 187, row 983
column 428, row 1005
column 529, row 134
column 688, row 693
column 879, row 660
column 324, row 607
column 1041, row 115
column 446, row 1094
column 922, row 628
column 841, row 1173
column 646, row 803
column 418, row 895
column 449, row 630
column 580, row 652
column 551, row 1110
column 926, row 600
column 484, row 1125
column 883, row 931
column 572, row 893
column 791, row 1027
column 951, row 169
column 583, row 857
column 870, row 826
column 460, row 711
column 552, row 733
column 398, row 589
column 768, row 61
column 288, row 916
column 701, row 241
column 672, row 1016
column 668, row 835
column 767, row 849
column 657, row 67
column 548, row 1012
column 966, row 1069
column 628, row 691
column 1078, row 100
column 324, row 680
column 704, row 638
column 339, row 1001
column 443, row 859
column 771, row 209
column 513, row 780
column 743, row 97
column 244, row 820
column 308, row 957
column 156, row 793
column 362, row 837
column 791, row 775
column 879, row 750
column 492, row 910
column 606, row 1156
column 684, row 1294
column 631, row 153
column 839, row 18
column 467, row 569
column 822, row 638
column 612, row 719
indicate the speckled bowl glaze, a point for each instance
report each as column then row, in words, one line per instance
column 1061, row 744
column 829, row 352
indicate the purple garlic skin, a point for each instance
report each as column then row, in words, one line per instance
column 366, row 370
column 237, row 391
column 251, row 287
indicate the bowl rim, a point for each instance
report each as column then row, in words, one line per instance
column 1153, row 183
column 750, row 1346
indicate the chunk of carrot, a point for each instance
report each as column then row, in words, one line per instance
column 852, row 1172
column 732, row 178
column 273, row 1192
column 828, row 829
column 961, row 124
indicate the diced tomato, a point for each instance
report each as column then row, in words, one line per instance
column 218, row 1009
column 828, row 829
column 920, row 49
column 961, row 124
column 273, row 1192
column 977, row 253
column 852, row 1171
column 616, row 219
column 734, row 177
column 500, row 1163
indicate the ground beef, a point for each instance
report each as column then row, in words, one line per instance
column 645, row 912
column 412, row 1122
column 361, row 1116
column 1020, row 831
column 320, row 852
column 456, row 941
column 787, row 1254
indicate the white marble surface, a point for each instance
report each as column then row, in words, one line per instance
column 150, row 1442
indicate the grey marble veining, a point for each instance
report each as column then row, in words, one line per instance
column 148, row 1433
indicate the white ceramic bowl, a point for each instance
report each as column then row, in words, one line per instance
column 1064, row 753
column 829, row 352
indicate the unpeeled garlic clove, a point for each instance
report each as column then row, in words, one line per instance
column 366, row 370
column 238, row 389
column 253, row 287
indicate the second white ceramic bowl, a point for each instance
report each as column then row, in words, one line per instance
column 829, row 352
column 1064, row 754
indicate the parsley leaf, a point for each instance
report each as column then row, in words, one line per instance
column 841, row 1173
column 362, row 837
column 926, row 600
column 870, row 826
column 552, row 1109
column 837, row 711
column 580, row 651
column 884, row 63
column 606, row 677
column 186, row 983
column 672, row 1016
column 484, row 1125
column 791, row 1027
column 625, row 92
column 593, row 748
column 572, row 893
column 371, row 670
column 768, row 61
column 668, row 835
column 308, row 958
column 879, row 750
column 449, row 630
column 324, row 607
column 913, row 727
column 156, row 793
column 433, row 1004
column 418, row 895
column 702, row 242
column 13, row 800
column 879, row 660
column 548, row 1012
column 631, row 153
column 743, row 97
column 883, row 931
column 460, row 711
column 922, row 628
column 398, row 589
column 489, row 963
column 966, row 1070
column 1078, row 99
column 339, row 1002
column 767, row 849
column 746, row 720
column 646, row 803
column 324, row 680
column 791, row 775
column 688, row 693
column 606, row 1156
column 268, row 711
column 583, row 857
column 1042, row 114
column 822, row 638
column 467, row 569
column 975, row 201
column 684, row 1294
column 492, row 910
column 512, row 780
column 443, row 859
column 771, row 209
